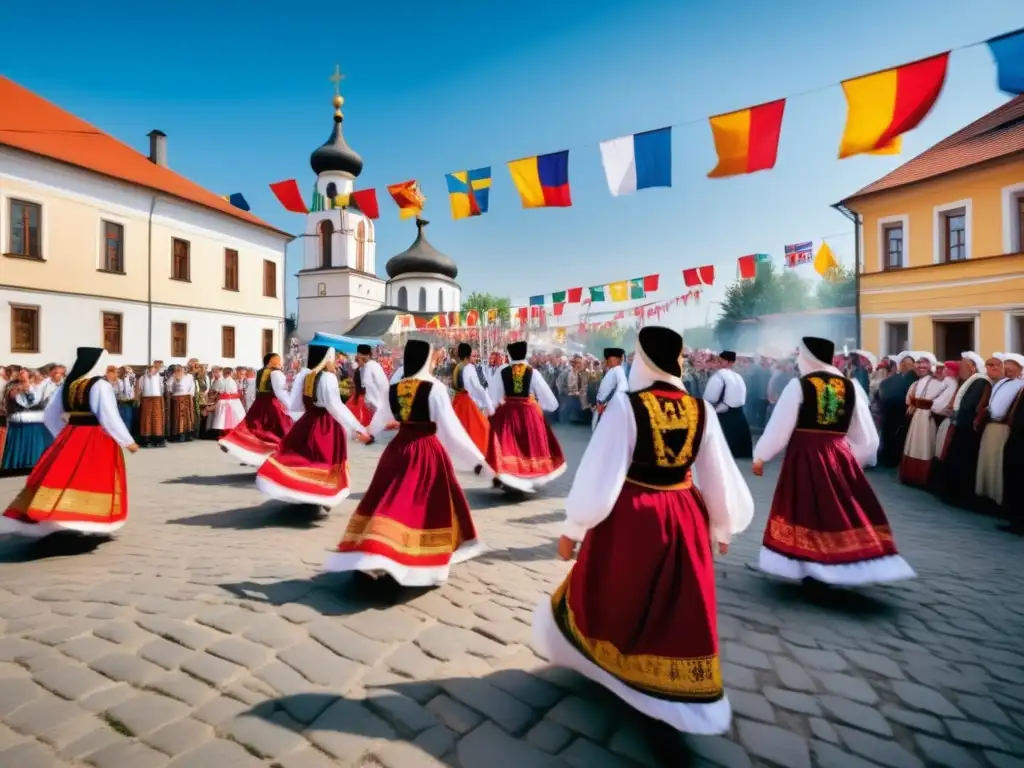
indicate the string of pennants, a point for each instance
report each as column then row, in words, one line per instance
column 880, row 108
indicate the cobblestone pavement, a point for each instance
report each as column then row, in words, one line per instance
column 203, row 636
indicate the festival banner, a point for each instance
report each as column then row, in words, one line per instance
column 640, row 161
column 747, row 141
column 799, row 253
column 1008, row 52
column 542, row 180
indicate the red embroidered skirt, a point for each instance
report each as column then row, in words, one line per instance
column 312, row 463
column 414, row 513
column 824, row 510
column 357, row 404
column 473, row 420
column 521, row 442
column 640, row 599
column 79, row 479
column 260, row 434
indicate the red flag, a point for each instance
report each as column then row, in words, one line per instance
column 288, row 194
column 638, row 311
column 699, row 276
column 747, row 266
column 472, row 317
column 558, row 308
column 650, row 283
column 524, row 314
column 408, row 198
column 575, row 294
column 366, row 201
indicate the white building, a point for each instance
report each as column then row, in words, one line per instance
column 104, row 246
column 423, row 278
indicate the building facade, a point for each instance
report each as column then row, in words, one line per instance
column 422, row 279
column 101, row 245
column 942, row 245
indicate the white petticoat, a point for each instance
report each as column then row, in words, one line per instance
column 879, row 570
column 529, row 484
column 406, row 575
column 228, row 415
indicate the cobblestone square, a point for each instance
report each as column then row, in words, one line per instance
column 205, row 636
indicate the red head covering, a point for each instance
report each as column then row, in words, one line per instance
column 952, row 367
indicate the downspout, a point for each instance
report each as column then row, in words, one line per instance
column 149, row 277
column 855, row 218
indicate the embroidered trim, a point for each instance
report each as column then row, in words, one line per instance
column 518, row 373
column 399, row 537
column 405, row 392
column 309, row 385
column 801, row 539
column 457, row 382
column 671, row 415
column 830, row 399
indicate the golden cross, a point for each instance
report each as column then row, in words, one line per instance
column 336, row 78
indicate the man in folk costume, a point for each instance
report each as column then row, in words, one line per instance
column 892, row 401
column 522, row 449
column 267, row 422
column 181, row 427
column 614, row 380
column 637, row 612
column 370, row 385
column 927, row 393
column 1013, row 461
column 152, row 422
column 944, row 416
column 958, row 452
column 826, row 522
column 79, row 483
column 413, row 523
column 472, row 403
column 726, row 392
column 988, row 485
column 311, row 466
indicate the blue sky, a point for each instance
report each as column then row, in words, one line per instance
column 242, row 91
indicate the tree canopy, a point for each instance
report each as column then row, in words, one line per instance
column 482, row 302
column 775, row 291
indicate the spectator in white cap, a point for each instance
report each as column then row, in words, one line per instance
column 926, row 393
column 959, row 454
column 988, row 483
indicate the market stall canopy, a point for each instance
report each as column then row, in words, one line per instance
column 346, row 344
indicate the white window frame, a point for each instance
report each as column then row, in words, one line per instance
column 5, row 212
column 883, row 341
column 938, row 232
column 101, row 241
column 883, row 253
column 1011, row 232
column 1010, row 340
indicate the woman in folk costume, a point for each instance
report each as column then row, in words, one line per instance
column 367, row 379
column 79, row 483
column 726, row 392
column 267, row 422
column 927, row 393
column 311, row 466
column 413, row 522
column 614, row 380
column 472, row 403
column 826, row 522
column 959, row 451
column 182, row 390
column 989, row 478
column 27, row 436
column 229, row 412
column 637, row 612
column 944, row 417
column 522, row 449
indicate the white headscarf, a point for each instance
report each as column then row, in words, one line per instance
column 808, row 363
column 643, row 373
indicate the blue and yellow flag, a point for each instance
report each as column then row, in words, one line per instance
column 469, row 192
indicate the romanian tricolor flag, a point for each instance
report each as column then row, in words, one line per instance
column 542, row 180
column 884, row 105
column 408, row 198
column 747, row 141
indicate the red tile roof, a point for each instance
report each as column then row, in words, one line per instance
column 998, row 134
column 33, row 124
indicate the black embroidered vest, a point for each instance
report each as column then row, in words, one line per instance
column 515, row 380
column 310, row 387
column 669, row 428
column 458, row 382
column 828, row 402
column 76, row 402
column 263, row 384
column 410, row 405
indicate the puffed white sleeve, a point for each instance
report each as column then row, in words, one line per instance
column 607, row 387
column 327, row 393
column 377, row 393
column 726, row 495
column 862, row 434
column 910, row 393
column 381, row 417
column 540, row 389
column 53, row 415
column 602, row 470
column 471, row 380
column 780, row 426
column 294, row 404
column 190, row 389
column 463, row 451
column 497, row 387
column 715, row 391
column 279, row 383
column 104, row 405
column 398, row 374
column 945, row 396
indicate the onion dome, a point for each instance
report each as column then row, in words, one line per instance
column 336, row 156
column 421, row 256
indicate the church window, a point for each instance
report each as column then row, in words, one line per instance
column 403, row 298
column 112, row 334
column 332, row 191
column 361, row 247
column 423, row 299
column 230, row 269
column 326, row 235
column 269, row 279
column 321, row 289
column 180, row 259
column 24, row 328
column 179, row 340
column 440, row 300
column 24, row 230
column 113, row 247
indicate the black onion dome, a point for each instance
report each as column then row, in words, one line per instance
column 421, row 257
column 336, row 155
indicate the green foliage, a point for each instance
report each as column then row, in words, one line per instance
column 838, row 289
column 771, row 291
column 699, row 337
column 290, row 324
column 481, row 302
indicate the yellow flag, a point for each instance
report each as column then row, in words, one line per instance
column 342, row 201
column 619, row 291
column 825, row 261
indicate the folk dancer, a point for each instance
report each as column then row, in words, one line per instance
column 637, row 612
column 268, row 420
column 1013, row 460
column 614, row 380
column 958, row 457
column 726, row 392
column 181, row 425
column 472, row 403
column 27, row 435
column 413, row 523
column 825, row 522
column 79, row 483
column 926, row 394
column 370, row 384
column 151, row 409
column 311, row 466
column 198, row 372
column 522, row 450
column 229, row 412
column 127, row 398
column 988, row 484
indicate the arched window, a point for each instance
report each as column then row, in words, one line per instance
column 440, row 300
column 423, row 299
column 332, row 191
column 403, row 298
column 361, row 247
column 326, row 235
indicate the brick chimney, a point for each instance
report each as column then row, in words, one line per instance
column 158, row 147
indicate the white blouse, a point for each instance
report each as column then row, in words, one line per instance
column 102, row 403
column 538, row 388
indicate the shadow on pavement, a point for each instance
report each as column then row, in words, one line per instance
column 329, row 594
column 271, row 514
column 864, row 602
column 546, row 550
column 19, row 550
column 545, row 517
column 232, row 480
column 486, row 498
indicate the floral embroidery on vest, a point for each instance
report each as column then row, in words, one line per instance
column 309, row 386
column 518, row 372
column 406, row 393
column 831, row 399
column 671, row 415
column 344, row 386
column 264, row 383
column 76, row 395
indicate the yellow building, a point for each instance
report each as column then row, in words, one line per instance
column 942, row 245
column 101, row 245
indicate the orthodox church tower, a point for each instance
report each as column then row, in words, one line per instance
column 338, row 281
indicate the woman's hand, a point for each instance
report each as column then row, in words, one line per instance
column 723, row 548
column 566, row 548
column 757, row 468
